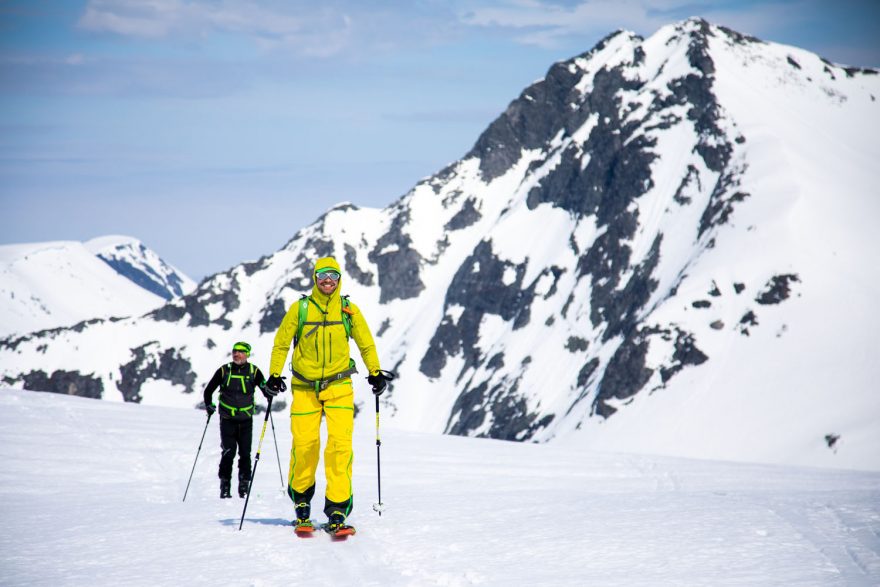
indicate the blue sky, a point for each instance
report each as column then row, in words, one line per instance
column 214, row 129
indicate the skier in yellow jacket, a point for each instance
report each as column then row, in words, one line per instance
column 321, row 385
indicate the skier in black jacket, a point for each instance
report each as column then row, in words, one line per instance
column 237, row 381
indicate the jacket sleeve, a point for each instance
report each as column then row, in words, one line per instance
column 259, row 379
column 362, row 336
column 283, row 340
column 213, row 385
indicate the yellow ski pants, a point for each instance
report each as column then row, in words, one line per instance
column 336, row 404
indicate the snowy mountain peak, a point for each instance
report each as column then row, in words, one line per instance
column 60, row 283
column 634, row 255
column 131, row 259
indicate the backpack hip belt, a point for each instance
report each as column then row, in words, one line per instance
column 232, row 410
column 320, row 385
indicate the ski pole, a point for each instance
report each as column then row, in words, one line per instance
column 277, row 455
column 197, row 456
column 378, row 507
column 256, row 462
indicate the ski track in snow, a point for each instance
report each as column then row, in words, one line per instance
column 92, row 490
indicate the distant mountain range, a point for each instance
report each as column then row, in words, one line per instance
column 665, row 245
column 61, row 283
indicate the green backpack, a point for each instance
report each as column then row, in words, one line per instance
column 345, row 319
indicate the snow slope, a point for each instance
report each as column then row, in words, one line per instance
column 61, row 283
column 91, row 494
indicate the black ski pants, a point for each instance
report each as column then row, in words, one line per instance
column 236, row 434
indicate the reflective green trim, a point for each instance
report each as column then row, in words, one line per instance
column 305, row 413
column 338, row 408
column 232, row 410
column 350, row 485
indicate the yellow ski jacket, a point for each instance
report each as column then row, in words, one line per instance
column 323, row 350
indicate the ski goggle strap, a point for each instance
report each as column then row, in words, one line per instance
column 243, row 347
column 328, row 273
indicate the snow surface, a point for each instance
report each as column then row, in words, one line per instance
column 91, row 493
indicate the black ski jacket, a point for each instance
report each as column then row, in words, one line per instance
column 237, row 385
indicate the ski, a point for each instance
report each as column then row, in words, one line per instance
column 304, row 530
column 340, row 533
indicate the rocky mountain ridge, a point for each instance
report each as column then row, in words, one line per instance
column 630, row 242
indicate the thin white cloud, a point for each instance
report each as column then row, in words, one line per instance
column 547, row 24
column 323, row 31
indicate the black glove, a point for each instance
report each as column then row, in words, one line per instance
column 210, row 408
column 379, row 381
column 274, row 386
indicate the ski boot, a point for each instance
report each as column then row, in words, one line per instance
column 225, row 487
column 243, row 483
column 303, row 525
column 337, row 527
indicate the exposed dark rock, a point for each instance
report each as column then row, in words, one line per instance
column 255, row 266
column 620, row 159
column 717, row 325
column 465, row 217
column 149, row 363
column 351, row 267
column 478, row 286
column 686, row 353
column 192, row 306
column 739, row 37
column 383, row 328
column 496, row 362
column 538, row 113
column 172, row 312
column 586, row 372
column 793, row 63
column 831, row 440
column 576, row 344
column 777, row 289
column 701, row 304
column 692, row 176
column 272, row 316
column 607, row 261
column 738, row 287
column 557, row 273
column 278, row 406
column 748, row 319
column 397, row 262
column 510, row 419
column 146, row 277
column 64, row 382
column 526, row 124
column 721, row 205
column 624, row 376
column 852, row 71
column 715, row 292
column 13, row 342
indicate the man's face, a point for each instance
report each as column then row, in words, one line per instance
column 327, row 281
column 239, row 357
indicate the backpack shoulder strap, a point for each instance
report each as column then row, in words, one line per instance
column 303, row 314
column 228, row 367
column 346, row 315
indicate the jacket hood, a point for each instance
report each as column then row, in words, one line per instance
column 317, row 294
